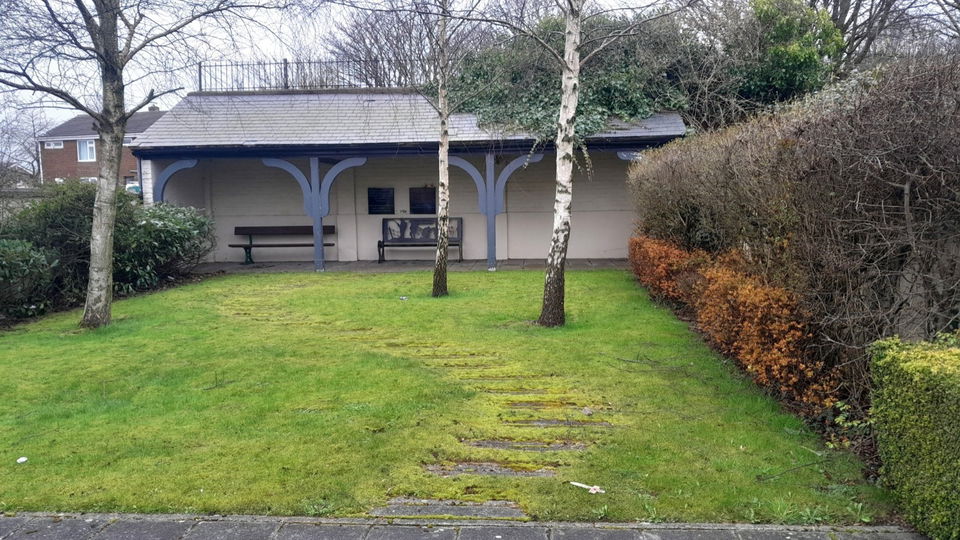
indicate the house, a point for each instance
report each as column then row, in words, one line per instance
column 70, row 150
column 18, row 188
column 352, row 158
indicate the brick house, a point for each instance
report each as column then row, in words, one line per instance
column 70, row 150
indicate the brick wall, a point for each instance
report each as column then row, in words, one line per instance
column 62, row 162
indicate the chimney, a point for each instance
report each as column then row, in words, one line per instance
column 153, row 108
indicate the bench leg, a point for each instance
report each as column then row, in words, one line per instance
column 460, row 251
column 380, row 252
column 248, row 255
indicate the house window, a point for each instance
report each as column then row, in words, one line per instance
column 423, row 200
column 380, row 200
column 54, row 145
column 87, row 150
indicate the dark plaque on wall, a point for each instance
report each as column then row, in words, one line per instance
column 380, row 201
column 423, row 200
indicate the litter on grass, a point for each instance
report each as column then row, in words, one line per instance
column 591, row 489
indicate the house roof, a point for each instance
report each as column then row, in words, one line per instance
column 82, row 126
column 342, row 118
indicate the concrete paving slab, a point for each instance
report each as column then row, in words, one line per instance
column 596, row 534
column 145, row 530
column 428, row 507
column 486, row 469
column 491, row 532
column 680, row 534
column 57, row 529
column 232, row 530
column 310, row 531
column 387, row 532
column 10, row 524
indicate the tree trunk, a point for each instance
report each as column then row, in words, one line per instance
column 111, row 127
column 443, row 183
column 552, row 312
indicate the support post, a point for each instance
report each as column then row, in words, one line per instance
column 319, row 264
column 491, row 205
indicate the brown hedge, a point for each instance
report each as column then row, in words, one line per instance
column 850, row 201
column 761, row 326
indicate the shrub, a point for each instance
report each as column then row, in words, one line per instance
column 916, row 404
column 764, row 328
column 165, row 241
column 25, row 276
column 60, row 222
column 669, row 272
column 761, row 326
column 151, row 244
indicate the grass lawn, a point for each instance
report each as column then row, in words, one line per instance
column 327, row 394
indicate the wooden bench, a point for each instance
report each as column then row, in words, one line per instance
column 417, row 232
column 288, row 230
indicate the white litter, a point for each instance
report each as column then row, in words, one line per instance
column 591, row 489
column 22, row 460
column 403, row 297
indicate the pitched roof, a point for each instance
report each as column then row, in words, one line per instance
column 82, row 125
column 369, row 117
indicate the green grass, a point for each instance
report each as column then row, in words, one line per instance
column 315, row 394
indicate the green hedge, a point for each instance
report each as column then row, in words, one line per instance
column 25, row 276
column 916, row 412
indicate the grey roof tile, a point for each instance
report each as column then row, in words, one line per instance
column 82, row 125
column 335, row 118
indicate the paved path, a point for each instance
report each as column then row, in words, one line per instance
column 36, row 526
column 367, row 267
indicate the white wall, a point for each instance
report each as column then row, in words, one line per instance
column 602, row 217
column 239, row 192
column 403, row 173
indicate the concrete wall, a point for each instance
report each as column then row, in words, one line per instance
column 239, row 192
column 602, row 218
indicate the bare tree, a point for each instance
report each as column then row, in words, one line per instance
column 86, row 54
column 391, row 44
column 950, row 17
column 863, row 22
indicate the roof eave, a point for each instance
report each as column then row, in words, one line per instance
column 386, row 149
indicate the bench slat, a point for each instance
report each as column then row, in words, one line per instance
column 282, row 230
column 277, row 245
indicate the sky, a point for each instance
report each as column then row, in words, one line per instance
column 272, row 36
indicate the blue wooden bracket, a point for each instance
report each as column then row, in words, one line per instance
column 330, row 177
column 504, row 176
column 298, row 176
column 161, row 182
column 474, row 174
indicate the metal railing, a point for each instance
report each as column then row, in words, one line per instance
column 298, row 75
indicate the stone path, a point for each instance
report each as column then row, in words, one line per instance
column 185, row 527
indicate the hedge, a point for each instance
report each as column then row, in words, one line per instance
column 759, row 325
column 916, row 406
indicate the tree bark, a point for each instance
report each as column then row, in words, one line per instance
column 111, row 128
column 552, row 313
column 443, row 178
